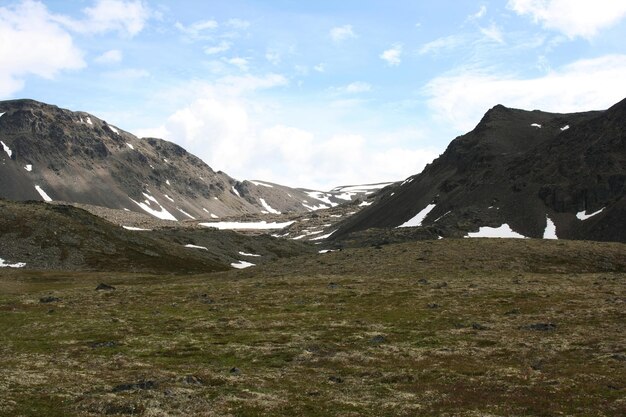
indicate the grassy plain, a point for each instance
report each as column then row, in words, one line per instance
column 439, row 328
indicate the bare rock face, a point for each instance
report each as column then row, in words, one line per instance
column 526, row 169
column 51, row 153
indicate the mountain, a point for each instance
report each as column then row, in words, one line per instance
column 49, row 153
column 528, row 173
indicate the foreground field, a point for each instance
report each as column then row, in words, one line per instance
column 453, row 327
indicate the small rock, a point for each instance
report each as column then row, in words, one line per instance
column 478, row 326
column 619, row 357
column 105, row 287
column 192, row 380
column 49, row 299
column 135, row 386
column 513, row 312
column 333, row 285
column 542, row 327
column 378, row 339
column 235, row 371
column 107, row 344
column 422, row 281
column 335, row 379
column 204, row 298
column 433, row 305
column 441, row 285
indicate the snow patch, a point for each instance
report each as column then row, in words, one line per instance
column 321, row 197
column 168, row 197
column 361, row 188
column 42, row 193
column 324, row 236
column 582, row 216
column 327, row 250
column 345, row 196
column 213, row 216
column 3, row 263
column 235, row 191
column 130, row 146
column 419, row 217
column 189, row 245
column 564, row 128
column 28, row 167
column 241, row 264
column 442, row 216
column 365, row 204
column 2, row 114
column 406, row 181
column 7, row 149
column 88, row 120
column 550, row 232
column 247, row 254
column 537, row 125
column 150, row 198
column 267, row 207
column 262, row 184
column 314, row 208
column 117, row 132
column 185, row 213
column 162, row 214
column 263, row 225
column 167, row 182
column 138, row 229
column 502, row 231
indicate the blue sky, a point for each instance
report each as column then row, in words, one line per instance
column 312, row 93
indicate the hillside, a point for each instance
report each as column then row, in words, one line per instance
column 49, row 153
column 518, row 173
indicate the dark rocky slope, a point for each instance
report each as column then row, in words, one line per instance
column 78, row 158
column 522, row 168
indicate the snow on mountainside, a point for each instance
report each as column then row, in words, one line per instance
column 53, row 154
column 518, row 174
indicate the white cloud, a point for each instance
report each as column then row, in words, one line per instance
column 219, row 48
column 238, row 24
column 493, row 32
column 33, row 43
column 479, row 14
column 442, row 44
column 198, row 30
column 321, row 67
column 461, row 99
column 231, row 128
column 574, row 18
column 125, row 17
column 342, row 33
column 110, row 57
column 239, row 62
column 352, row 88
column 273, row 56
column 392, row 55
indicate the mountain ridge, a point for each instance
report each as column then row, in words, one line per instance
column 520, row 168
column 73, row 156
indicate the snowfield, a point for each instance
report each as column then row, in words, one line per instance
column 263, row 225
column 503, row 231
column 419, row 217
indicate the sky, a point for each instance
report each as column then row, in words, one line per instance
column 312, row 93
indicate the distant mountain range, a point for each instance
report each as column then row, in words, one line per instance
column 49, row 153
column 518, row 174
